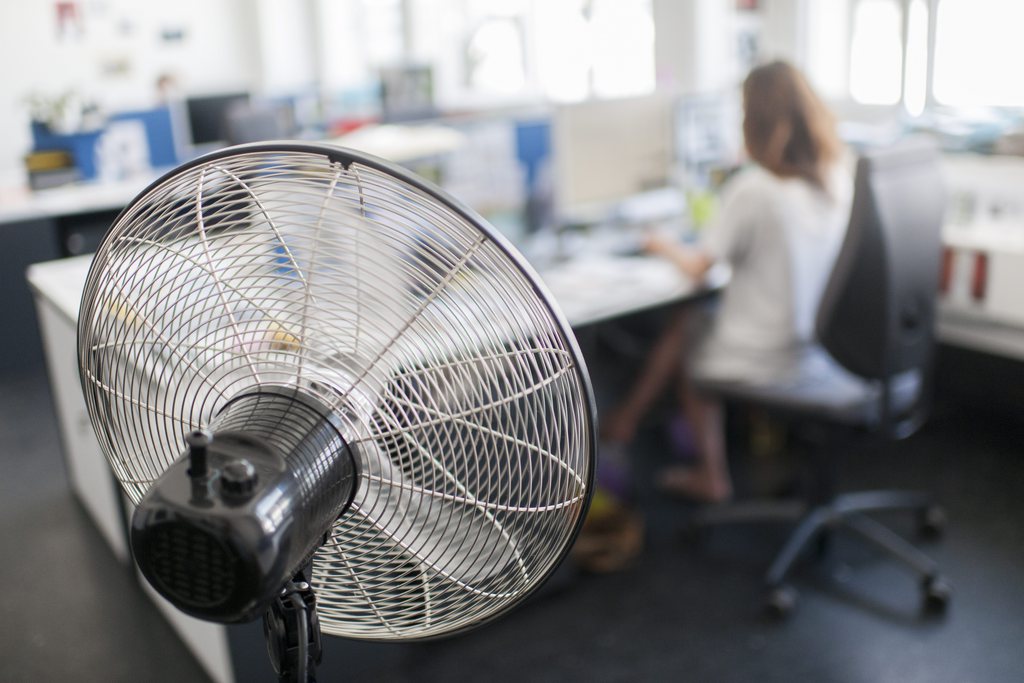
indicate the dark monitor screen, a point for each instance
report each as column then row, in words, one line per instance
column 207, row 116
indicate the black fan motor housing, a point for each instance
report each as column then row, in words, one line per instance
column 222, row 531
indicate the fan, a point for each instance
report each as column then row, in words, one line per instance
column 338, row 398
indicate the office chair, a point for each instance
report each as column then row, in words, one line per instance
column 875, row 328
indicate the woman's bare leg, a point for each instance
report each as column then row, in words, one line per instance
column 709, row 480
column 662, row 365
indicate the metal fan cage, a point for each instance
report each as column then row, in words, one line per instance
column 446, row 363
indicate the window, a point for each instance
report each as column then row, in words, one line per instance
column 486, row 52
column 828, row 66
column 494, row 57
column 563, row 50
column 876, row 52
column 595, row 47
column 915, row 86
column 978, row 47
column 957, row 53
column 357, row 37
column 622, row 32
column 509, row 51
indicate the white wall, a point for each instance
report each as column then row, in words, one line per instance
column 695, row 45
column 219, row 51
column 783, row 31
column 287, row 46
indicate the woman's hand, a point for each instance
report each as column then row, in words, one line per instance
column 658, row 245
column 693, row 261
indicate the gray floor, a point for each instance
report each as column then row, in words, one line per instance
column 69, row 611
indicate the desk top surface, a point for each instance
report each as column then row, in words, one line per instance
column 588, row 289
column 400, row 144
column 67, row 200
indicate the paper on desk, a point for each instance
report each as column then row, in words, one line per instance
column 597, row 287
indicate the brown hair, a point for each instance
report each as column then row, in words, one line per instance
column 787, row 128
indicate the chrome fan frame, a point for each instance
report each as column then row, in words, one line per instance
column 96, row 392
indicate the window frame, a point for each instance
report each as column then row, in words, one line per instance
column 847, row 107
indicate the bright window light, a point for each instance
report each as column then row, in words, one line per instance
column 828, row 47
column 916, row 86
column 563, row 50
column 623, row 36
column 876, row 52
column 602, row 48
column 978, row 52
column 495, row 57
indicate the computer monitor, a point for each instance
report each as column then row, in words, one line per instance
column 258, row 121
column 407, row 93
column 606, row 151
column 208, row 115
column 707, row 135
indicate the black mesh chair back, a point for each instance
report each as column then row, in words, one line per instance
column 877, row 314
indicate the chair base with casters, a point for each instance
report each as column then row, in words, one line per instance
column 817, row 391
column 845, row 512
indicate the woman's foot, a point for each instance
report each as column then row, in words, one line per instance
column 618, row 426
column 682, row 440
column 702, row 484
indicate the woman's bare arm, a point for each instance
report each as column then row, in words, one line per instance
column 693, row 261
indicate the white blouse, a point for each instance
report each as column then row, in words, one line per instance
column 781, row 237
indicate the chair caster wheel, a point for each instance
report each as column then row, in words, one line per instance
column 780, row 602
column 931, row 522
column 937, row 594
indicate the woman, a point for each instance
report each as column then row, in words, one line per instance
column 779, row 229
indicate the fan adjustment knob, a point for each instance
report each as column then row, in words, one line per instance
column 238, row 478
column 197, row 442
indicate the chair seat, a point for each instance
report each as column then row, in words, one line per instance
column 818, row 386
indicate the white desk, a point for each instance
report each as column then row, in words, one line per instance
column 985, row 220
column 589, row 290
column 592, row 289
column 87, row 197
column 400, row 144
column 994, row 322
column 57, row 286
column 975, row 332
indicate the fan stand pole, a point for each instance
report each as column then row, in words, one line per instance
column 292, row 631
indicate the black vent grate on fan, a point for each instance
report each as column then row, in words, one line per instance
column 192, row 565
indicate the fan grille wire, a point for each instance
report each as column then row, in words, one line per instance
column 461, row 389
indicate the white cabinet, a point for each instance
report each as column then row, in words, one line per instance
column 57, row 286
column 90, row 476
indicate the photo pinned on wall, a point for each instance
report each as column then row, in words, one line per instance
column 116, row 66
column 69, row 23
